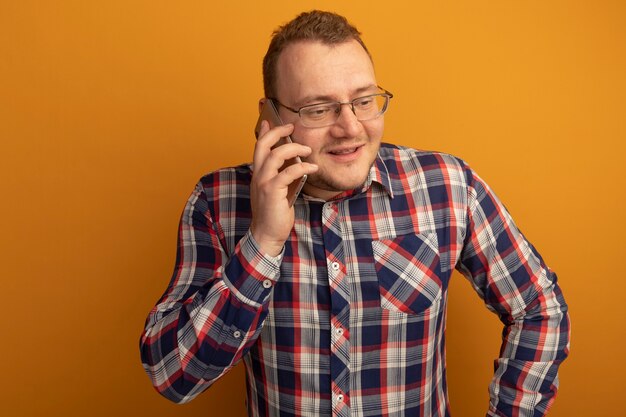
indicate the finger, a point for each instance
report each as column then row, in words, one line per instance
column 290, row 150
column 293, row 173
column 267, row 139
column 265, row 127
column 270, row 137
column 280, row 155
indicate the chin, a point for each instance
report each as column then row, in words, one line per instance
column 337, row 183
column 337, row 178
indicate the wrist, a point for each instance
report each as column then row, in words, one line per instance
column 267, row 245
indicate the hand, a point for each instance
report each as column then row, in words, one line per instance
column 272, row 217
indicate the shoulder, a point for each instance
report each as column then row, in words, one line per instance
column 220, row 201
column 403, row 161
column 226, row 183
column 223, row 193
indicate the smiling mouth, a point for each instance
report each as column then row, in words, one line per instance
column 346, row 151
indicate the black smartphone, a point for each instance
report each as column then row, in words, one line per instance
column 270, row 113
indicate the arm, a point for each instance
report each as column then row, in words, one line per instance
column 212, row 310
column 511, row 277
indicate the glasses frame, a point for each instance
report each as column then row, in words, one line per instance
column 350, row 103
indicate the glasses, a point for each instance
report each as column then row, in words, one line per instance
column 325, row 114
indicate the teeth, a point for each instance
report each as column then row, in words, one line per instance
column 344, row 152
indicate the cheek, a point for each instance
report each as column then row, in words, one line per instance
column 313, row 138
column 375, row 129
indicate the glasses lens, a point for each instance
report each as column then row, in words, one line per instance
column 325, row 114
column 370, row 107
column 319, row 115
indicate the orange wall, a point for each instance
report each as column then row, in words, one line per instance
column 110, row 112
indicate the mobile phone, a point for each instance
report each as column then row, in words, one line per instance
column 270, row 113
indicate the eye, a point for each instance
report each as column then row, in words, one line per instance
column 364, row 103
column 317, row 112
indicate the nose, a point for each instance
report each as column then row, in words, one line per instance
column 346, row 125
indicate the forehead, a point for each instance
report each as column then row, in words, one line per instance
column 313, row 69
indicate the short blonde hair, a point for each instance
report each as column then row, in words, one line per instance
column 326, row 27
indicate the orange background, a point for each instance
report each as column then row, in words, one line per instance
column 110, row 112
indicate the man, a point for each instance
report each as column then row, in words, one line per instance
column 337, row 304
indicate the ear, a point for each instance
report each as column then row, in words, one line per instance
column 261, row 103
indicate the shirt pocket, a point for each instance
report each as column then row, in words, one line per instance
column 409, row 272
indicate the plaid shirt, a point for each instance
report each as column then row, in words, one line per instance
column 350, row 318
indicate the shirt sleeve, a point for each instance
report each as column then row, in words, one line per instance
column 213, row 308
column 513, row 280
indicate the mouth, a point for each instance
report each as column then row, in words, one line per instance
column 345, row 151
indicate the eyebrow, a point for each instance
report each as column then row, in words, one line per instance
column 325, row 98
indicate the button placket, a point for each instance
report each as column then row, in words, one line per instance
column 339, row 307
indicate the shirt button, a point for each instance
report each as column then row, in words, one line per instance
column 339, row 331
column 335, row 266
column 267, row 283
column 236, row 334
column 340, row 398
